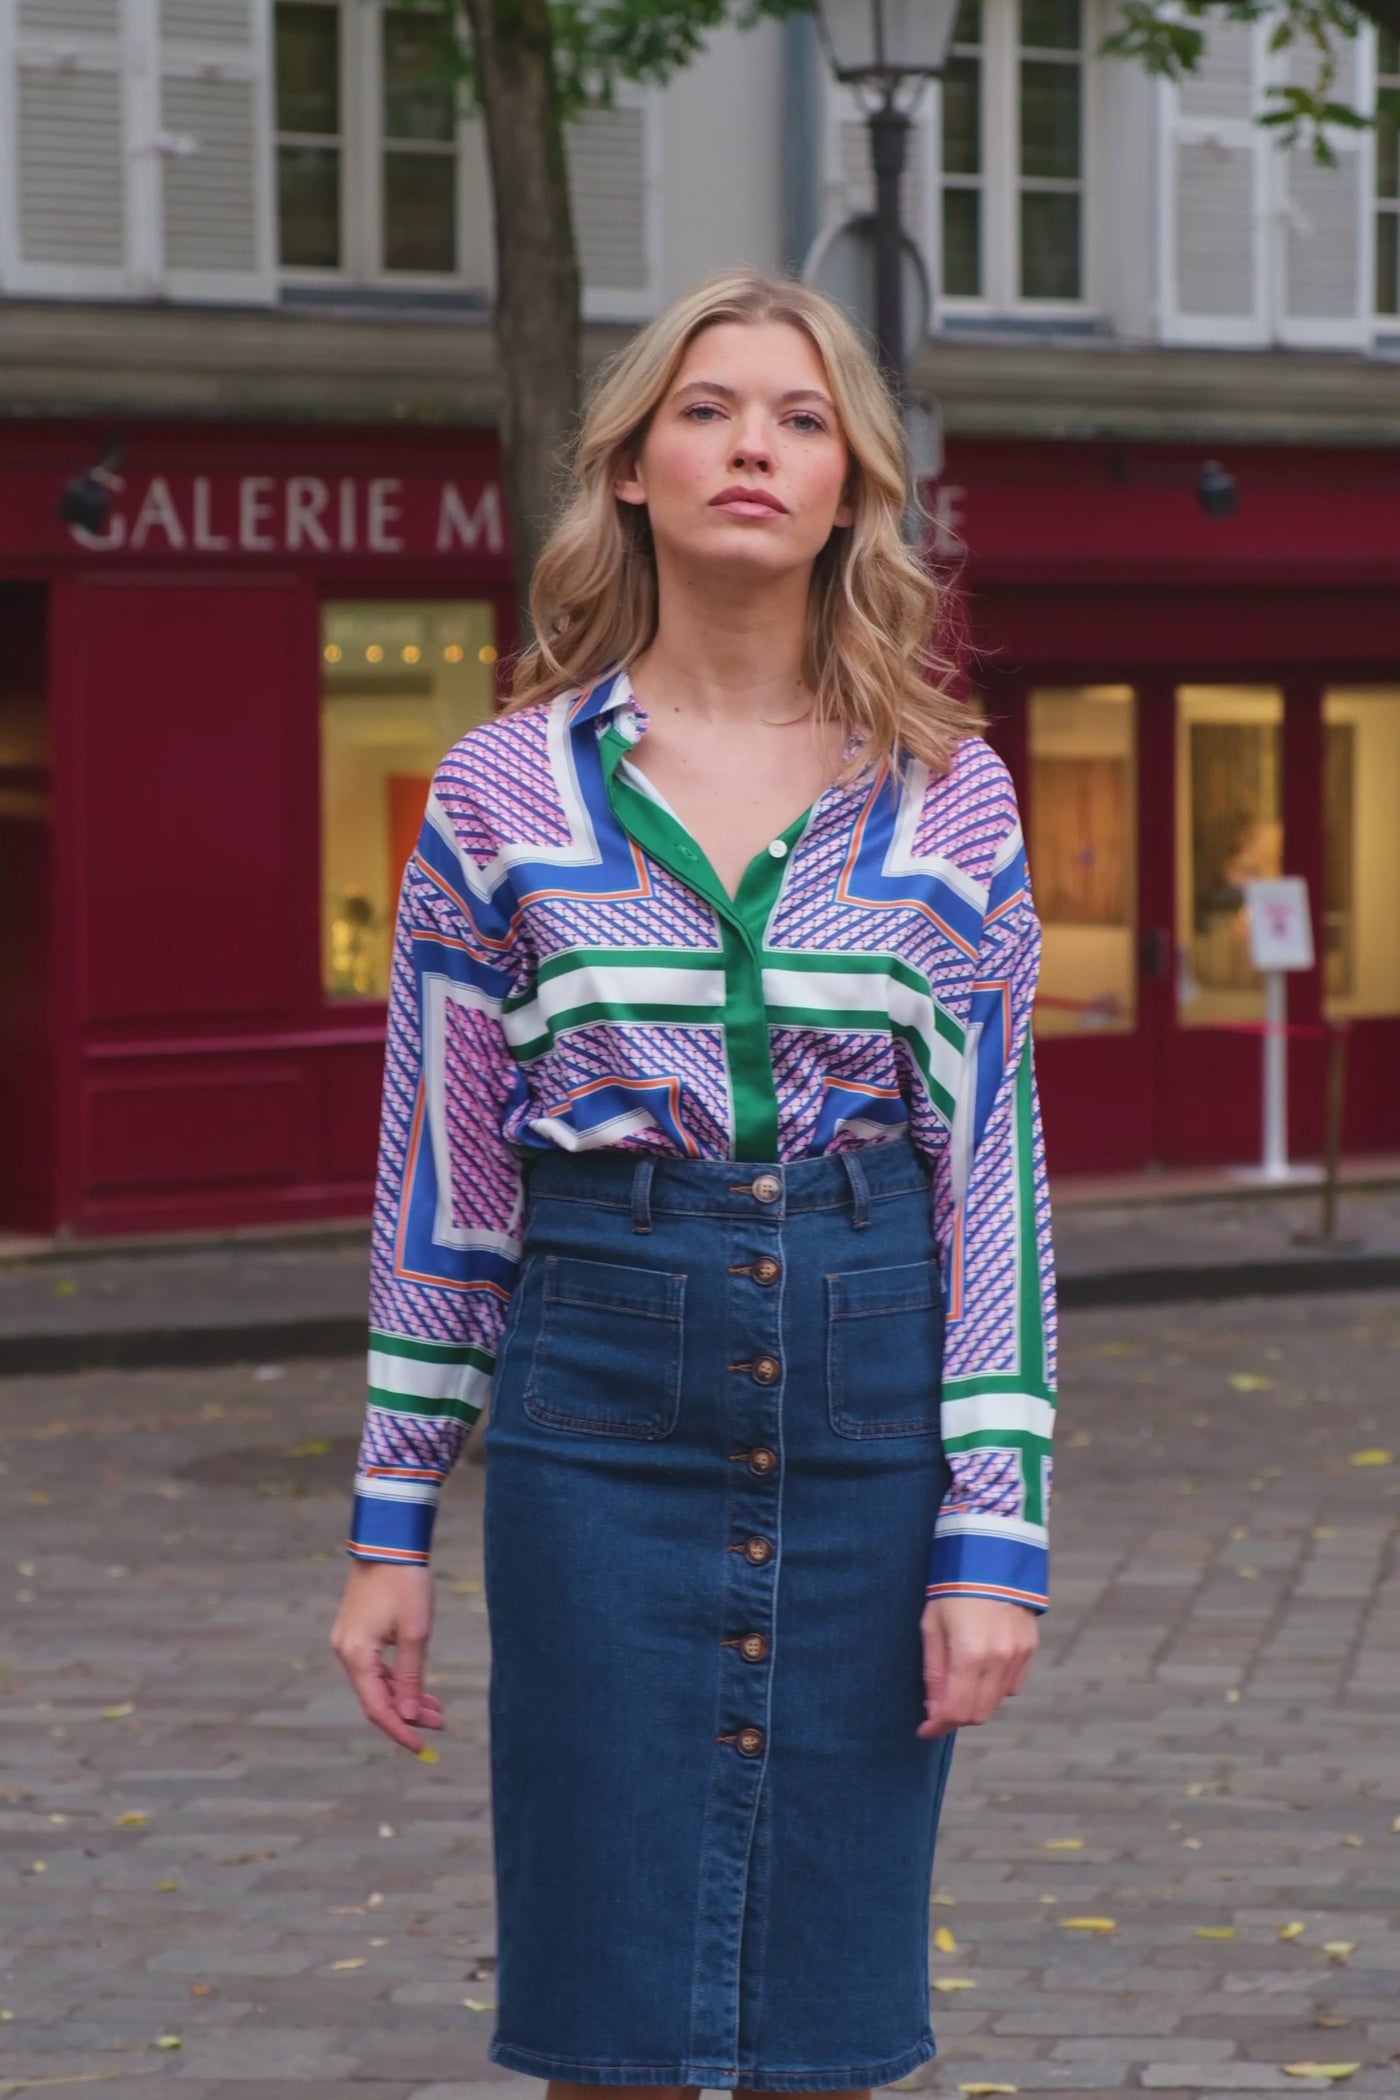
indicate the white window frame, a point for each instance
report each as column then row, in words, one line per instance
column 1386, row 324
column 1001, row 293
column 362, row 148
column 1268, row 321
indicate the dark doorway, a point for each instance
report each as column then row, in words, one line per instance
column 26, row 834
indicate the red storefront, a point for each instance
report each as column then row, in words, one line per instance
column 218, row 715
column 217, row 720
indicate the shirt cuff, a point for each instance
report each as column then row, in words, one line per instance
column 393, row 1529
column 968, row 1562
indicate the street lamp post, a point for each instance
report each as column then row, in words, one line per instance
column 888, row 50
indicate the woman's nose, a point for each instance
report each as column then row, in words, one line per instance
column 753, row 456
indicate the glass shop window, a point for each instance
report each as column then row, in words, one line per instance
column 1361, row 890
column 1082, row 847
column 1229, row 810
column 400, row 683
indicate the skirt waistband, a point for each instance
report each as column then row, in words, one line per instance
column 644, row 1182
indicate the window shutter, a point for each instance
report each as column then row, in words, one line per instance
column 1214, row 197
column 612, row 187
column 215, row 150
column 1324, row 214
column 65, row 167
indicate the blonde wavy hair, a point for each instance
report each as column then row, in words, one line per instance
column 871, row 652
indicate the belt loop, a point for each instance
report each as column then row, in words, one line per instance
column 641, row 1195
column 860, row 1189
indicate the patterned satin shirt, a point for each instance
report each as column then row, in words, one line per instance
column 570, row 971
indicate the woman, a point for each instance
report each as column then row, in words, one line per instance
column 710, row 1130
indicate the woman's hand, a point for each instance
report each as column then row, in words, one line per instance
column 386, row 1606
column 977, row 1652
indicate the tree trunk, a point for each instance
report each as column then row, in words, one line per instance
column 538, row 332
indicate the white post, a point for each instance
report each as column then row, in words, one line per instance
column 1275, row 1161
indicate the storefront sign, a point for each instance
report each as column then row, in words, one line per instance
column 306, row 514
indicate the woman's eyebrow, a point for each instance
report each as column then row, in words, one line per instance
column 717, row 386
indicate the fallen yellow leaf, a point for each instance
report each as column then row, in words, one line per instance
column 1063, row 1845
column 132, row 1820
column 428, row 1756
column 169, row 2041
column 955, row 1983
column 6, row 2014
column 1352, row 1839
column 1373, row 1458
column 465, row 1589
column 310, row 1447
column 354, row 1961
column 117, row 1713
column 1216, row 1932
column 940, row 1897
column 1294, row 1931
column 480, row 2004
column 1321, row 2070
column 166, row 1888
column 1340, row 1950
column 943, row 1940
column 1250, row 1382
column 979, row 2087
column 1089, row 1924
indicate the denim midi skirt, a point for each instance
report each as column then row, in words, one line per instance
column 713, row 1468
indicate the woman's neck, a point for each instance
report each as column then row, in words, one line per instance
column 730, row 661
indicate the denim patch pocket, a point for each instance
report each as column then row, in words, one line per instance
column 607, row 1360
column 884, row 1350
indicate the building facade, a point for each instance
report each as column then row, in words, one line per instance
column 245, row 259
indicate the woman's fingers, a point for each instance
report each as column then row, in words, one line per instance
column 977, row 1652
column 370, row 1677
column 388, row 1607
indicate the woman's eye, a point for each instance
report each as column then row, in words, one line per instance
column 699, row 409
column 807, row 421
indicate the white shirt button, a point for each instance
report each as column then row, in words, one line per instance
column 778, row 849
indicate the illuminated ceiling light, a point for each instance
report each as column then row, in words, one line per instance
column 486, row 654
column 374, row 654
column 332, row 652
column 453, row 653
column 410, row 652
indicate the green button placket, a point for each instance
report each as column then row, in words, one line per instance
column 743, row 923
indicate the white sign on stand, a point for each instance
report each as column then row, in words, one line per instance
column 1280, row 940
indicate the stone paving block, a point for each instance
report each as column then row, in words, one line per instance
column 1205, row 2076
column 514, row 2089
column 267, row 2053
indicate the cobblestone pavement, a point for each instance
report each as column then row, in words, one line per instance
column 202, row 1843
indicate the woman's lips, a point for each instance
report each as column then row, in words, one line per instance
column 746, row 507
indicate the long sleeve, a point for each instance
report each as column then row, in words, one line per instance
column 445, row 1240
column 999, row 1369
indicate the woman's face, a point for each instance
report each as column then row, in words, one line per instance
column 744, row 466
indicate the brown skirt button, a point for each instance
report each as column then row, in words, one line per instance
column 766, row 1270
column 767, row 1370
column 749, row 1742
column 754, row 1647
column 757, row 1550
column 767, row 1188
column 762, row 1461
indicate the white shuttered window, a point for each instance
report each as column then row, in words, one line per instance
column 134, row 149
column 1258, row 244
